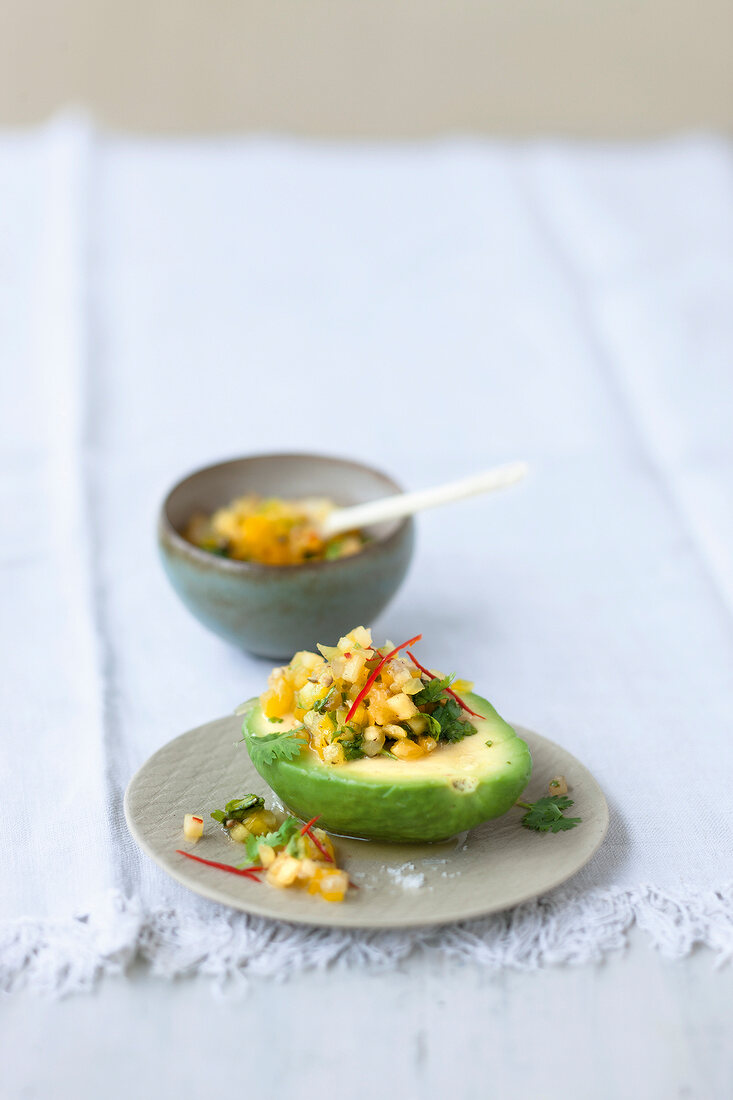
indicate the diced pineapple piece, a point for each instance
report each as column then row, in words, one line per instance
column 333, row 885
column 259, row 822
column 299, row 677
column 402, row 706
column 378, row 711
column 361, row 636
column 393, row 730
column 427, row 743
column 307, row 870
column 413, row 685
column 309, row 694
column 359, row 717
column 407, row 750
column 279, row 699
column 354, row 667
column 462, row 687
column 283, row 871
column 325, row 842
column 373, row 741
column 418, row 724
column 266, row 854
column 193, row 827
column 239, row 832
column 305, row 659
column 334, row 754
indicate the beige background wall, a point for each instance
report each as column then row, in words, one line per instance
column 619, row 68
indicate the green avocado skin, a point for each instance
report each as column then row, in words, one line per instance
column 428, row 808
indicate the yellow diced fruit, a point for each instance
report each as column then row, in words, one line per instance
column 393, row 730
column 359, row 717
column 558, row 785
column 193, row 827
column 239, row 833
column 325, row 842
column 354, row 667
column 361, row 636
column 283, row 871
column 378, row 711
column 373, row 741
column 260, row 822
column 307, row 870
column 333, row 885
column 299, row 678
column 418, row 724
column 402, row 707
column 278, row 700
column 413, row 685
column 429, row 744
column 310, row 694
column 266, row 854
column 407, row 750
column 307, row 660
column 462, row 686
column 333, row 754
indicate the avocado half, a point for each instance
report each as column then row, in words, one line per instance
column 379, row 798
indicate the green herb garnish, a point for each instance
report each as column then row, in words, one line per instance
column 351, row 743
column 287, row 832
column 452, row 727
column 432, row 691
column 276, row 746
column 239, row 808
column 323, row 704
column 546, row 815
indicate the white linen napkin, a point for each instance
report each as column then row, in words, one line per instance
column 164, row 304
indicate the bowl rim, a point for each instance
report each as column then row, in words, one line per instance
column 167, row 531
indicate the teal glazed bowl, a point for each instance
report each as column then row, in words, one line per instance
column 269, row 610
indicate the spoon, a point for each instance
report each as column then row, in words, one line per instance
column 406, row 504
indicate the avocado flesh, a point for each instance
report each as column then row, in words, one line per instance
column 456, row 787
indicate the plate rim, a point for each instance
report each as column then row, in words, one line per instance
column 353, row 923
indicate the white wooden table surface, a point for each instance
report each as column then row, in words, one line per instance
column 474, row 303
column 636, row 1027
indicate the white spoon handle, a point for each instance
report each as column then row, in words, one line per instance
column 406, row 504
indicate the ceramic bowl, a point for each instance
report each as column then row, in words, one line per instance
column 273, row 611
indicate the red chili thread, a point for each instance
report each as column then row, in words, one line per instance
column 306, row 831
column 377, row 670
column 246, row 872
column 457, row 698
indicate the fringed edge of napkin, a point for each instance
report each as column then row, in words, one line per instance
column 569, row 927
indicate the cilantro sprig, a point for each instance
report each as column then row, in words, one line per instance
column 547, row 815
column 445, row 721
column 276, row 746
column 433, row 691
column 288, row 836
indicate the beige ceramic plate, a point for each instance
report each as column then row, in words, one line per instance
column 400, row 886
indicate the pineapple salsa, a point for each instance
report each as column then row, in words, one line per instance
column 354, row 700
column 290, row 853
column 271, row 531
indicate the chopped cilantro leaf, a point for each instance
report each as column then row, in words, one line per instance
column 351, row 743
column 276, row 746
column 432, row 691
column 289, row 829
column 546, row 815
column 452, row 726
column 323, row 704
